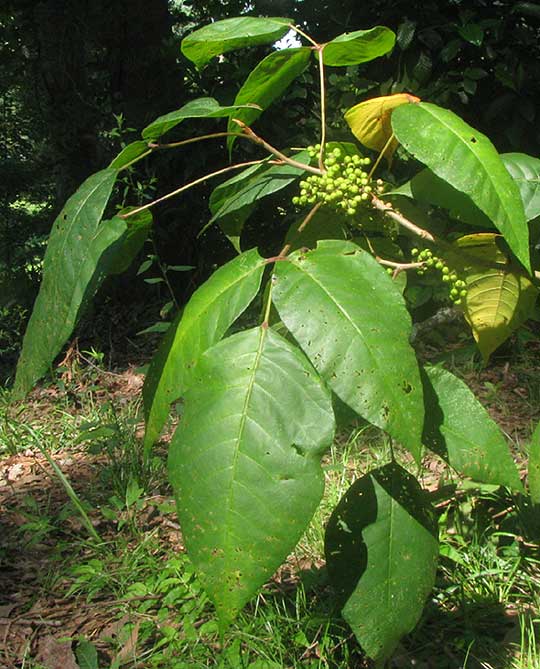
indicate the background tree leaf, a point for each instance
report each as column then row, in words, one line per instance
column 460, row 430
column 534, row 466
column 207, row 316
column 267, row 82
column 500, row 296
column 525, row 171
column 350, row 319
column 358, row 47
column 247, row 478
column 226, row 35
column 381, row 553
column 199, row 108
column 468, row 161
column 76, row 244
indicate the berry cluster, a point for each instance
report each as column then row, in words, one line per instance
column 345, row 185
column 457, row 287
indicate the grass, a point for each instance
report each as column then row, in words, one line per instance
column 135, row 597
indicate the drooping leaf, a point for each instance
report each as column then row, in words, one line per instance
column 525, row 171
column 266, row 83
column 220, row 37
column 130, row 153
column 358, row 47
column 350, row 319
column 199, row 108
column 381, row 553
column 76, row 245
column 468, row 161
column 247, row 477
column 429, row 188
column 370, row 122
column 245, row 189
column 459, row 429
column 210, row 312
column 534, row 466
column 500, row 296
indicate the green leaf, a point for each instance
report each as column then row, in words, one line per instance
column 500, row 296
column 87, row 657
column 124, row 252
column 534, row 466
column 230, row 34
column 468, row 161
column 129, row 154
column 473, row 33
column 460, row 430
column 234, row 199
column 199, row 108
column 267, row 82
column 325, row 224
column 358, row 47
column 381, row 552
column 207, row 316
column 246, row 474
column 525, row 171
column 350, row 319
column 76, row 245
column 431, row 189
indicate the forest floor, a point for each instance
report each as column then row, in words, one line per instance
column 127, row 596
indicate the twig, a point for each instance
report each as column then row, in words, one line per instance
column 248, row 132
column 191, row 140
column 388, row 210
column 323, row 109
column 190, row 185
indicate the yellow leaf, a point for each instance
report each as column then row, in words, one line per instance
column 370, row 122
column 500, row 297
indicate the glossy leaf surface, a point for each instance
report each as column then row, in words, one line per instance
column 207, row 316
column 500, row 296
column 247, row 476
column 220, row 37
column 467, row 160
column 351, row 321
column 358, row 47
column 267, row 82
column 534, row 466
column 76, row 245
column 460, row 430
column 199, row 108
column 381, row 553
column 525, row 171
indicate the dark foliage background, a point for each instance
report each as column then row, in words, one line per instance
column 79, row 79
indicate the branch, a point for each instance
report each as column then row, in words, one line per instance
column 173, row 145
column 190, row 185
column 388, row 210
column 248, row 132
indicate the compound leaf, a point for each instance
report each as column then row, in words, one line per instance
column 246, row 474
column 76, row 245
column 381, row 552
column 500, row 296
column 460, row 430
column 207, row 316
column 350, row 319
column 220, row 37
column 358, row 47
column 267, row 82
column 467, row 160
column 525, row 171
column 199, row 108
